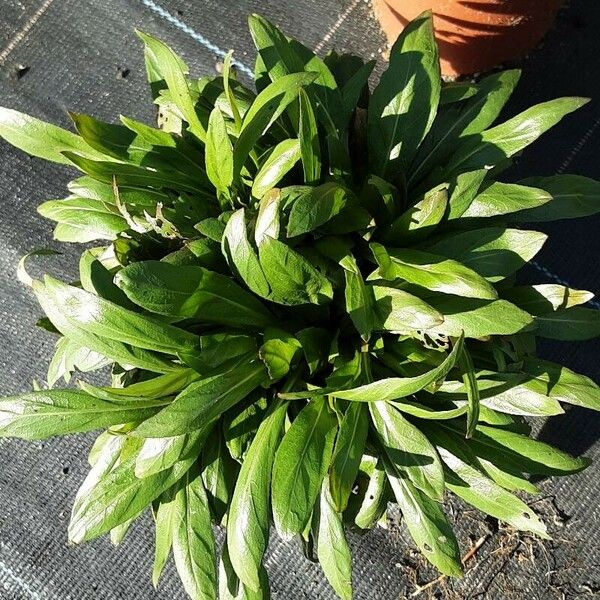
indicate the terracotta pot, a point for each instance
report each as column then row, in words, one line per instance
column 474, row 35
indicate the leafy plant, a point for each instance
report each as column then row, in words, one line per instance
column 307, row 298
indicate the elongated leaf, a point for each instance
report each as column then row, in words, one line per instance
column 574, row 323
column 265, row 109
column 408, row 449
column 375, row 498
column 545, row 298
column 493, row 252
column 399, row 387
column 281, row 160
column 193, row 541
column 300, row 466
column 164, row 524
column 360, row 301
column 347, row 454
column 426, row 524
column 308, row 135
column 278, row 352
column 240, row 425
column 434, row 273
column 42, row 414
column 171, row 70
column 503, row 141
column 291, row 277
column 404, row 104
column 249, row 515
column 399, row 311
column 499, row 199
column 230, row 586
column 204, row 400
column 241, row 256
column 333, row 551
column 219, row 154
column 42, row 139
column 188, row 291
column 472, row 389
column 420, row 220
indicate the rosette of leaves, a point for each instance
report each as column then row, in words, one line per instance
column 306, row 294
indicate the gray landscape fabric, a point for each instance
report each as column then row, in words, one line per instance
column 59, row 55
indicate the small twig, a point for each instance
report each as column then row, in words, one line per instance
column 465, row 559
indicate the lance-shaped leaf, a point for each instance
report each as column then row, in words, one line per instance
column 230, row 586
column 408, row 449
column 249, row 514
column 572, row 197
column 426, row 523
column 194, row 546
column 264, row 111
column 360, row 300
column 292, row 278
column 376, row 494
column 433, row 272
column 494, row 145
column 188, row 291
column 393, row 388
column 42, row 139
column 545, row 298
column 281, row 160
column 333, row 551
column 308, row 134
column 204, row 400
column 570, row 324
column 172, row 70
column 404, row 103
column 493, row 252
column 219, row 154
column 241, row 256
column 347, row 454
column 278, row 352
column 300, row 466
column 164, row 524
column 42, row 414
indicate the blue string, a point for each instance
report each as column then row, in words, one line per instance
column 159, row 10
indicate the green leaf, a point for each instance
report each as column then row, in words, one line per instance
column 264, row 111
column 164, row 512
column 545, row 298
column 280, row 161
column 80, row 309
column 291, row 277
column 204, row 400
column 494, row 145
column 241, row 424
column 572, row 197
column 171, row 70
column 194, row 546
column 375, row 498
column 463, row 119
column 426, row 524
column 42, row 414
column 231, row 588
column 463, row 190
column 399, row 311
column 316, row 207
column 360, row 300
column 500, row 199
column 241, row 256
column 42, row 139
column 408, row 449
column 333, row 551
column 191, row 292
column 493, row 252
column 472, row 388
column 301, row 463
column 572, row 324
column 419, row 221
column 433, row 272
column 347, row 454
column 562, row 384
column 308, row 135
column 399, row 387
column 219, row 154
column 117, row 497
column 477, row 318
column 249, row 514
column 278, row 352
column 404, row 103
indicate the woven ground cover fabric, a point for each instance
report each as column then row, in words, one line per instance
column 58, row 55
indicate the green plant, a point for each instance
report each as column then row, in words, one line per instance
column 308, row 303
